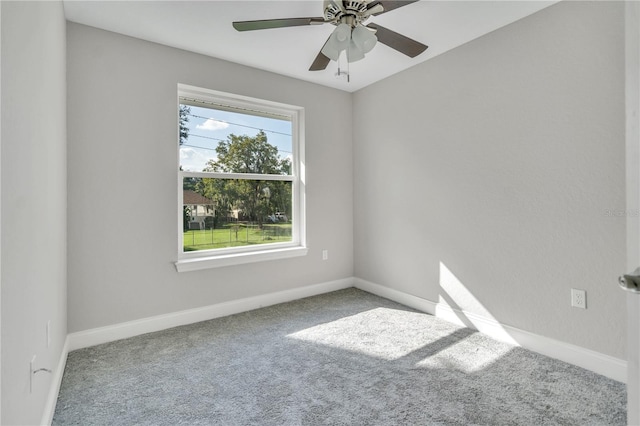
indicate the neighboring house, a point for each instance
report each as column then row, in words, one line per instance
column 200, row 207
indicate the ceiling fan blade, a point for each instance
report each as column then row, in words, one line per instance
column 398, row 42
column 388, row 5
column 321, row 61
column 276, row 23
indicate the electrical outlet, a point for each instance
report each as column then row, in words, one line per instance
column 578, row 298
column 325, row 254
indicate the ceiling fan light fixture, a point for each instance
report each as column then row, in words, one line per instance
column 354, row 53
column 329, row 50
column 364, row 38
column 342, row 35
column 338, row 41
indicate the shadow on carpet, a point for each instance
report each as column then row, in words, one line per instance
column 346, row 357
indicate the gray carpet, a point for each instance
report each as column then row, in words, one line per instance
column 346, row 357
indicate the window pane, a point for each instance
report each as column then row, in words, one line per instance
column 229, row 141
column 222, row 213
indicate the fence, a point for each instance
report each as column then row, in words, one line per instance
column 236, row 234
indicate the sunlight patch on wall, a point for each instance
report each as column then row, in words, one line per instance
column 458, row 305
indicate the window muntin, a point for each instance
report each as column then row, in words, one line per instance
column 239, row 169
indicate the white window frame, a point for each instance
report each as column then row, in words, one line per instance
column 204, row 259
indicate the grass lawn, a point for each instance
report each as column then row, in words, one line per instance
column 234, row 235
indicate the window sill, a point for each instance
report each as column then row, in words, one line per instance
column 185, row 265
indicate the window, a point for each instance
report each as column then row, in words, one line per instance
column 241, row 179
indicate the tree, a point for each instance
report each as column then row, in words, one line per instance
column 189, row 182
column 256, row 198
column 184, row 119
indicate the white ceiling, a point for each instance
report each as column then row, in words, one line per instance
column 204, row 27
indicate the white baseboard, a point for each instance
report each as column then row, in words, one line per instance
column 54, row 390
column 96, row 336
column 605, row 365
column 406, row 299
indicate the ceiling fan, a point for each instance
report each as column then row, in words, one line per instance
column 351, row 33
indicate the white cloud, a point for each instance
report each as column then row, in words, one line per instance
column 212, row 124
column 192, row 160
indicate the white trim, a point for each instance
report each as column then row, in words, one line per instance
column 632, row 179
column 124, row 330
column 488, row 326
column 221, row 260
column 243, row 176
column 54, row 390
column 406, row 299
column 204, row 259
column 208, row 98
column 605, row 365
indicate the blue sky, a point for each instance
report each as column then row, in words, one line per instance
column 209, row 126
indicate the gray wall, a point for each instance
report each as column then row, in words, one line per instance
column 498, row 161
column 34, row 200
column 122, row 154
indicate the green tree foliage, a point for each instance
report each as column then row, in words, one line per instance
column 254, row 198
column 184, row 119
column 189, row 183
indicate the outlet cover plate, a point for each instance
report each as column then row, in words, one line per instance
column 578, row 298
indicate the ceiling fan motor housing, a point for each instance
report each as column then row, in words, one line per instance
column 352, row 12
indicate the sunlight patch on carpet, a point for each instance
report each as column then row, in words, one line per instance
column 466, row 357
column 374, row 333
